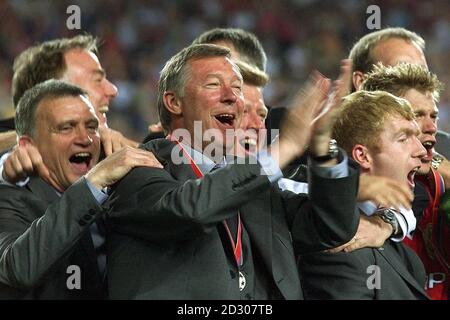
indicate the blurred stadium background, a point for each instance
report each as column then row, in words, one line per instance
column 138, row 36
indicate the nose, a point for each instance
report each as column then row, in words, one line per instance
column 255, row 121
column 228, row 95
column 419, row 150
column 83, row 137
column 110, row 89
column 429, row 126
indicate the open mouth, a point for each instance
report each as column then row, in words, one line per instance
column 428, row 145
column 226, row 119
column 103, row 108
column 411, row 176
column 81, row 162
column 249, row 144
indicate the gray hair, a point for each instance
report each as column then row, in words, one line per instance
column 25, row 117
column 246, row 43
column 175, row 73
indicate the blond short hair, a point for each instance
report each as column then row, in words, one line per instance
column 401, row 78
column 363, row 115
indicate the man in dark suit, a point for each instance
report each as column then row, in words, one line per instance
column 379, row 132
column 215, row 227
column 422, row 90
column 46, row 248
column 75, row 61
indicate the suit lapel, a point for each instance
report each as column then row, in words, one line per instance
column 391, row 257
column 258, row 224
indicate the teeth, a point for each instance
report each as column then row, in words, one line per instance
column 103, row 108
column 427, row 144
column 82, row 154
column 250, row 141
column 226, row 115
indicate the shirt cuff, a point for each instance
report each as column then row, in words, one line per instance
column 407, row 223
column 99, row 195
column 338, row 171
column 269, row 167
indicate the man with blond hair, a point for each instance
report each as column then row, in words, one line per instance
column 432, row 236
column 379, row 132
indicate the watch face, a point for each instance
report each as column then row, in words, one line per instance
column 333, row 149
column 389, row 214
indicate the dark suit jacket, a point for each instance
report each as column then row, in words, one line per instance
column 347, row 275
column 41, row 234
column 164, row 241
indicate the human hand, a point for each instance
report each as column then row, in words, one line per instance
column 296, row 126
column 324, row 122
column 24, row 161
column 384, row 192
column 116, row 166
column 114, row 141
column 372, row 233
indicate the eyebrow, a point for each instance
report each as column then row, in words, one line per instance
column 92, row 120
column 408, row 132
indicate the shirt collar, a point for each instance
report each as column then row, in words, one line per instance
column 204, row 163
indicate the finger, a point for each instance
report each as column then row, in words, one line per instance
column 43, row 171
column 147, row 160
column 355, row 245
column 17, row 169
column 345, row 77
column 116, row 145
column 9, row 173
column 24, row 158
column 337, row 249
column 106, row 141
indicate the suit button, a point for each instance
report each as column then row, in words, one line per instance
column 232, row 274
column 87, row 217
column 82, row 223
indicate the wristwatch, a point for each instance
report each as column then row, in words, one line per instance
column 333, row 152
column 388, row 216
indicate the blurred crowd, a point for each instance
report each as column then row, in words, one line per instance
column 138, row 36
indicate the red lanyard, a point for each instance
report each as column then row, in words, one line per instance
column 237, row 247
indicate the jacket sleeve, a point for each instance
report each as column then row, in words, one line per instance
column 329, row 218
column 151, row 204
column 33, row 237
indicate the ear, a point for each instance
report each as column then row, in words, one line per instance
column 361, row 155
column 172, row 103
column 25, row 140
column 357, row 78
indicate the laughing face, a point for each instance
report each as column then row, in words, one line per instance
column 67, row 137
column 83, row 69
column 213, row 95
column 399, row 151
column 255, row 114
column 426, row 114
